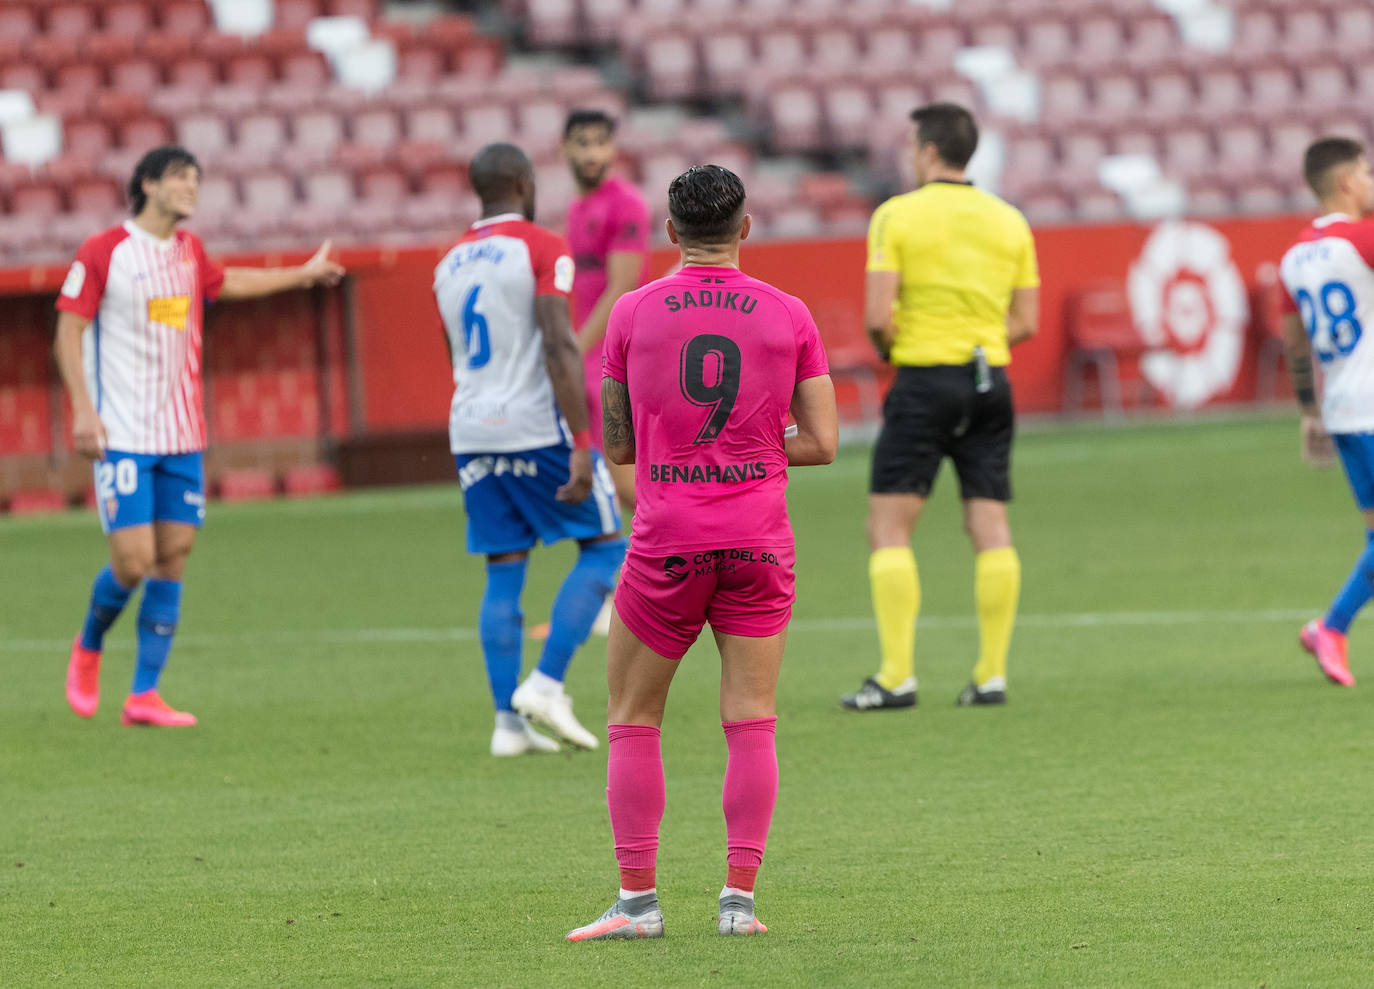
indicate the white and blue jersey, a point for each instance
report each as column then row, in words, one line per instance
column 1329, row 277
column 508, row 437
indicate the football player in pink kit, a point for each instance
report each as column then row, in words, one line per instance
column 702, row 369
column 129, row 351
column 608, row 230
column 1329, row 277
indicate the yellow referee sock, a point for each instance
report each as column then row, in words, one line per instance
column 996, row 588
column 896, row 601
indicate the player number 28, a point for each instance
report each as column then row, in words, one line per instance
column 476, row 336
column 1342, row 329
column 720, row 395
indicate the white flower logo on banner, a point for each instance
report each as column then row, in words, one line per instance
column 1190, row 306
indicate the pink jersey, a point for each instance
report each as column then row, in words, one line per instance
column 711, row 357
column 1329, row 276
column 142, row 352
column 612, row 217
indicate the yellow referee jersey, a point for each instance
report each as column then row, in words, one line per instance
column 960, row 252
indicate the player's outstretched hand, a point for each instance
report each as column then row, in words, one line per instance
column 1317, row 446
column 319, row 270
column 88, row 434
column 579, row 484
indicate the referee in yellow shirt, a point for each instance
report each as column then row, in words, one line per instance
column 952, row 285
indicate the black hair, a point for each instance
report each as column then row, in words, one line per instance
column 1323, row 155
column 588, row 118
column 706, row 203
column 154, row 165
column 950, row 128
column 497, row 169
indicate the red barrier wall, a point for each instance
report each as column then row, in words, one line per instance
column 273, row 374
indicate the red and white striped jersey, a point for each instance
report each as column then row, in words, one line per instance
column 1329, row 275
column 142, row 352
column 485, row 288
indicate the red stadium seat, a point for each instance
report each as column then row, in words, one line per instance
column 69, row 20
column 1240, row 149
column 383, row 184
column 365, row 9
column 1102, row 334
column 483, row 124
column 378, row 128
column 17, row 23
column 888, row 48
column 1353, row 30
column 1169, row 95
column 251, row 70
column 834, row 51
column 187, row 17
column 1101, row 40
column 138, row 75
column 331, row 188
column 848, row 114
column 25, row 76
column 1188, row 153
column 1154, row 39
column 90, row 136
column 431, row 123
column 1325, row 84
column 420, row 59
column 132, row 20
column 728, row 61
column 670, row 61
column 444, row 180
column 35, row 199
column 1220, row 91
column 1257, row 32
column 795, row 116
column 203, row 134
column 1261, row 197
column 193, row 72
column 316, row 134
column 166, row 47
column 262, row 135
column 107, row 49
column 218, row 197
column 268, row 192
column 1210, row 198
column 144, row 133
column 1049, row 43
column 83, row 77
column 1272, row 86
column 1116, row 96
column 99, row 196
column 552, row 22
column 296, row 13
column 304, row 69
column 1306, row 31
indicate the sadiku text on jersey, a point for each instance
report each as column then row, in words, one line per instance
column 706, row 298
column 710, row 474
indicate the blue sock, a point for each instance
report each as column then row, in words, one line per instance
column 500, row 624
column 578, row 601
column 1359, row 586
column 157, row 623
column 108, row 598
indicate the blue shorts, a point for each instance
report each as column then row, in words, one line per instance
column 142, row 488
column 509, row 498
column 1357, row 456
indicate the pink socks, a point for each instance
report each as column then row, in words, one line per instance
column 636, row 795
column 751, row 790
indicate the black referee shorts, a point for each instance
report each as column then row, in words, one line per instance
column 936, row 412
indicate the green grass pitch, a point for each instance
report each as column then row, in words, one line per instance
column 1173, row 797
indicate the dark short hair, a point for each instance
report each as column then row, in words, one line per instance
column 950, row 128
column 496, row 170
column 706, row 204
column 154, row 165
column 587, row 118
column 1322, row 157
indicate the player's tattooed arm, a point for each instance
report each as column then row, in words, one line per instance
column 1298, row 355
column 617, row 424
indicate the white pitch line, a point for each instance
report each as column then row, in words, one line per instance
column 385, row 636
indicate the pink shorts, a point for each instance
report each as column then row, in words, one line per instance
column 664, row 600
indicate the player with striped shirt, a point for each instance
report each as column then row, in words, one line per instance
column 129, row 351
